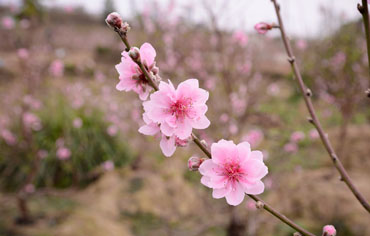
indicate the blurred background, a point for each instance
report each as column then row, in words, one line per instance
column 73, row 163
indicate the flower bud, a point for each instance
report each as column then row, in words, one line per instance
column 114, row 20
column 194, row 163
column 367, row 92
column 262, row 27
column 134, row 53
column 329, row 230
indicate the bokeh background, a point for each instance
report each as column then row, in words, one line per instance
column 73, row 163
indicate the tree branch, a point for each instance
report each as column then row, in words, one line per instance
column 313, row 119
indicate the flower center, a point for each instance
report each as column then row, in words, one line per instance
column 233, row 171
column 180, row 108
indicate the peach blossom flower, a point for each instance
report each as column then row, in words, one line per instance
column 233, row 171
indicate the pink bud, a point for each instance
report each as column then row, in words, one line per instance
column 262, row 27
column 114, row 20
column 134, row 53
column 194, row 163
column 329, row 230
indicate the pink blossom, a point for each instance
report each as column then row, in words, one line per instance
column 251, row 205
column 233, row 171
column 224, row 117
column 131, row 76
column 57, row 68
column 178, row 111
column 254, row 137
column 233, row 129
column 329, row 230
column 273, row 89
column 63, row 153
column 42, row 154
column 7, row 22
column 8, row 137
column 29, row 188
column 31, row 121
column 262, row 27
column 314, row 134
column 77, row 123
column 297, row 136
column 112, row 130
column 301, row 44
column 291, row 147
column 240, row 37
column 108, row 165
column 23, row 53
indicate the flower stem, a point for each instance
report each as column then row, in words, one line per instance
column 314, row 120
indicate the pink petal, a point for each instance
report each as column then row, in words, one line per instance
column 183, row 130
column 223, row 151
column 256, row 188
column 143, row 95
column 207, row 167
column 151, row 129
column 166, row 129
column 147, row 54
column 168, row 146
column 244, row 150
column 220, row 193
column 125, row 84
column 205, row 181
column 236, row 195
column 255, row 169
column 257, row 155
column 201, row 123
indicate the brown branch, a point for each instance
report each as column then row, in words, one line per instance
column 313, row 119
column 208, row 153
column 363, row 9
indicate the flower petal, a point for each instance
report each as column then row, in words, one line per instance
column 168, row 145
column 236, row 195
column 147, row 54
column 256, row 188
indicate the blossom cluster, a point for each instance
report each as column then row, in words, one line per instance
column 172, row 113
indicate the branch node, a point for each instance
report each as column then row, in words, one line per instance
column 291, row 59
column 360, row 8
column 367, row 92
column 308, row 92
column 260, row 205
column 309, row 119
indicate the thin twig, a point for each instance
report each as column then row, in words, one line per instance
column 196, row 140
column 313, row 119
column 363, row 9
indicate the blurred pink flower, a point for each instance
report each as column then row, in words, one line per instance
column 32, row 102
column 301, row 44
column 251, row 205
column 273, row 89
column 57, row 68
column 297, row 136
column 233, row 129
column 233, row 171
column 63, row 153
column 338, row 60
column 7, row 22
column 108, row 165
column 31, row 121
column 254, row 137
column 262, row 27
column 329, row 230
column 69, row 9
column 23, row 53
column 131, row 76
column 314, row 134
column 112, row 130
column 77, row 123
column 240, row 37
column 29, row 188
column 8, row 137
column 224, row 118
column 178, row 111
column 42, row 154
column 291, row 147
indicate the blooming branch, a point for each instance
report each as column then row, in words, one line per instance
column 172, row 105
column 306, row 92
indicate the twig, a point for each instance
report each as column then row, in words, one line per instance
column 207, row 152
column 363, row 9
column 313, row 119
